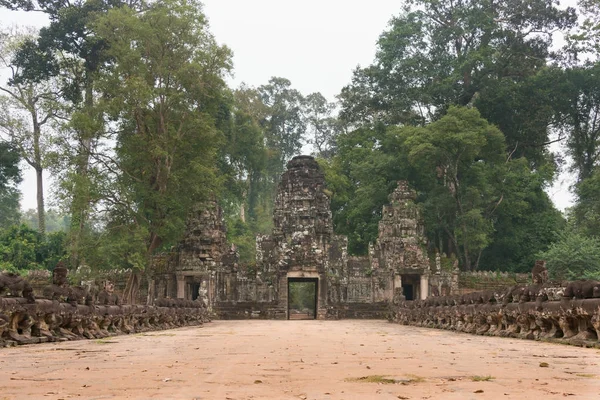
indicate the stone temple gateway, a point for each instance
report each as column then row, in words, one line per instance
column 303, row 248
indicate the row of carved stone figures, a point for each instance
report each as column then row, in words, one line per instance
column 14, row 285
column 540, row 292
column 569, row 312
column 23, row 322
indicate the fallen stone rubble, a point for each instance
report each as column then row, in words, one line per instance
column 23, row 321
column 549, row 315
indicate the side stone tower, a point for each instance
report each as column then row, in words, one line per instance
column 203, row 264
column 401, row 245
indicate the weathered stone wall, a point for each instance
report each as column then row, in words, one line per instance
column 541, row 312
column 489, row 280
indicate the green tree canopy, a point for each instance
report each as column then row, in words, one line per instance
column 163, row 89
column 468, row 187
column 10, row 177
column 435, row 54
column 573, row 256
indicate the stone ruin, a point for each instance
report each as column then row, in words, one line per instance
column 64, row 312
column 563, row 312
column 396, row 280
column 202, row 260
column 303, row 248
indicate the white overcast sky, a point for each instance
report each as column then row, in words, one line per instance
column 316, row 44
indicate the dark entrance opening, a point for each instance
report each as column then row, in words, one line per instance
column 195, row 288
column 408, row 292
column 411, row 286
column 302, row 298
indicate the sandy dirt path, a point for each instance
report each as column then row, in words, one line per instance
column 300, row 360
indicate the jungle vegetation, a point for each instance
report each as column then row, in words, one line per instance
column 125, row 103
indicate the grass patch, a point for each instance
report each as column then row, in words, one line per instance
column 104, row 341
column 372, row 379
column 586, row 375
column 381, row 379
column 478, row 378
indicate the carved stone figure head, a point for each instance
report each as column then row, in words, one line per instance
column 59, row 275
column 539, row 273
column 109, row 286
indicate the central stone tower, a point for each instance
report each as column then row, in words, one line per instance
column 299, row 248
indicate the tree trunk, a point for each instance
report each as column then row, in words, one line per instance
column 41, row 212
column 468, row 266
column 476, row 267
column 133, row 283
column 150, row 296
column 132, row 287
column 81, row 201
column 37, row 160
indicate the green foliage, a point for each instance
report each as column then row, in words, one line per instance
column 302, row 295
column 27, row 109
column 322, row 127
column 116, row 247
column 165, row 91
column 10, row 174
column 525, row 222
column 10, row 177
column 283, row 121
column 459, row 102
column 22, row 249
column 579, row 108
column 464, row 156
column 573, row 256
column 471, row 195
column 586, row 38
column 436, row 54
column 360, row 178
column 244, row 237
column 586, row 213
column 55, row 220
column 9, row 207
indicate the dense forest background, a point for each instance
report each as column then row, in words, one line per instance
column 126, row 105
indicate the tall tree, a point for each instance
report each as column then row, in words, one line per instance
column 579, row 107
column 283, row 122
column 466, row 155
column 321, row 124
column 81, row 51
column 243, row 156
column 164, row 91
column 585, row 41
column 26, row 111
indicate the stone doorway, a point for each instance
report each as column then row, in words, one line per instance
column 411, row 286
column 303, row 298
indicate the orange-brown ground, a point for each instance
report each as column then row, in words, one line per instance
column 300, row 360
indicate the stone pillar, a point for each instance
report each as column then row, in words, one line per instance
column 180, row 287
column 212, row 290
column 424, row 287
column 397, row 281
